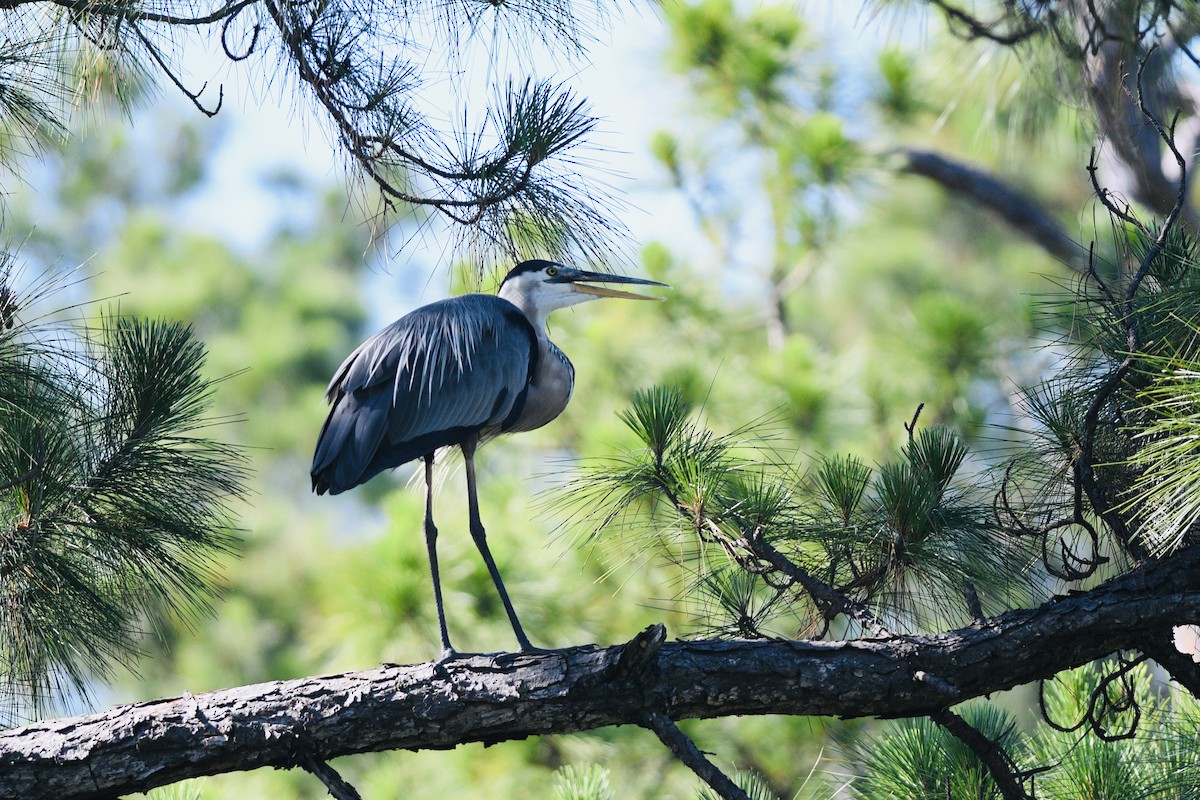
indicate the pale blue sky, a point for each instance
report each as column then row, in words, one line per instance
column 623, row 80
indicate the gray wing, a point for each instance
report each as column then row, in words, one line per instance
column 431, row 379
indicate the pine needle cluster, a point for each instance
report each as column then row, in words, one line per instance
column 769, row 549
column 1107, row 474
column 113, row 498
column 508, row 174
column 1112, row 460
column 916, row 759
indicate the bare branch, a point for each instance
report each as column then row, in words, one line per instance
column 687, row 752
column 828, row 599
column 1084, row 467
column 136, row 15
column 910, row 427
column 1015, row 207
column 1110, row 47
column 152, row 49
column 338, row 788
column 1182, row 667
column 971, row 27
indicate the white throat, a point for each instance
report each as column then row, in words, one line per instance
column 538, row 300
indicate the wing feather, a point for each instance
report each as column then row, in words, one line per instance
column 430, row 379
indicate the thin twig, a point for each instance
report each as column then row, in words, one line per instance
column 175, row 79
column 830, row 600
column 687, row 752
column 464, row 210
column 978, row 29
column 1101, row 703
column 134, row 15
column 242, row 56
column 911, row 427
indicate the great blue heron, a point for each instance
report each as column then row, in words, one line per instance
column 455, row 372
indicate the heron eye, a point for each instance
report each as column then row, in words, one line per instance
column 551, row 271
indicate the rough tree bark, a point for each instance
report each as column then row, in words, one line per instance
column 512, row 696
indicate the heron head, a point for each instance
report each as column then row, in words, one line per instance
column 538, row 287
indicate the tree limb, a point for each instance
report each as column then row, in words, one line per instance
column 1112, row 48
column 338, row 787
column 993, row 756
column 512, row 696
column 687, row 752
column 1182, row 667
column 1018, row 209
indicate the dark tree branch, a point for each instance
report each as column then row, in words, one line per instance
column 364, row 80
column 1182, row 667
column 687, row 752
column 132, row 14
column 1015, row 207
column 998, row 762
column 971, row 27
column 1111, row 48
column 1084, row 466
column 1102, row 707
column 1110, row 42
column 493, row 699
column 338, row 788
column 194, row 97
column 828, row 599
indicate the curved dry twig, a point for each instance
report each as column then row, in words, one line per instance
column 971, row 27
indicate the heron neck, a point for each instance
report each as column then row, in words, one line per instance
column 536, row 316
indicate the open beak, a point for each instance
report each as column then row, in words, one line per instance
column 587, row 283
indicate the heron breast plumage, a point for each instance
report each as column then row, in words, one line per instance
column 549, row 390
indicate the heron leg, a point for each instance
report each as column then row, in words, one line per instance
column 431, row 533
column 480, row 536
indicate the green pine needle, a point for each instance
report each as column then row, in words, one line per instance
column 113, row 501
column 841, row 482
column 1165, row 496
column 916, row 759
column 657, row 416
column 902, row 539
column 589, row 782
column 750, row 782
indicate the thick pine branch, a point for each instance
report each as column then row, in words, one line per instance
column 494, row 699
